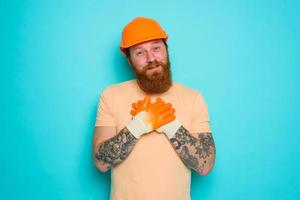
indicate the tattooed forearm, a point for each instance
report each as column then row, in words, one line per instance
column 116, row 149
column 196, row 153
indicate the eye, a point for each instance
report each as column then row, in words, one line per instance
column 157, row 48
column 139, row 53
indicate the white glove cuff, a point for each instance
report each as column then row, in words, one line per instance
column 171, row 128
column 137, row 126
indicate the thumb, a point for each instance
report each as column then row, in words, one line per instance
column 147, row 100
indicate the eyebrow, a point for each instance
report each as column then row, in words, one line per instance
column 138, row 47
column 135, row 48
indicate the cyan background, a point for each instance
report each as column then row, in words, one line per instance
column 57, row 56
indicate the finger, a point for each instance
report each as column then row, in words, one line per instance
column 164, row 108
column 135, row 106
column 159, row 100
column 157, row 104
column 169, row 104
column 138, row 105
column 167, row 120
column 140, row 102
column 167, row 112
column 164, row 121
column 147, row 100
column 133, row 112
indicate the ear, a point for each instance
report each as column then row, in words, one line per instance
column 129, row 61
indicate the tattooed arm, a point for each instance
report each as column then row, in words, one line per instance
column 110, row 151
column 197, row 153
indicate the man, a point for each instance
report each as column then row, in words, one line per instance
column 151, row 131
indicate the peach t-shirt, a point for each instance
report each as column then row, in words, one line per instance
column 153, row 170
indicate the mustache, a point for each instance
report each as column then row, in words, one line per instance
column 153, row 65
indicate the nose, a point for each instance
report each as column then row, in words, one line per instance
column 150, row 56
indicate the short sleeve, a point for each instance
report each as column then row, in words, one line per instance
column 105, row 114
column 200, row 117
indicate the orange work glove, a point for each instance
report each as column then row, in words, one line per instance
column 140, row 105
column 140, row 125
column 159, row 113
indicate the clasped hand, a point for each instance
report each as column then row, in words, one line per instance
column 157, row 114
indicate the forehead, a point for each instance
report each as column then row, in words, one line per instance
column 148, row 43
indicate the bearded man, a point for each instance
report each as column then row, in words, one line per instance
column 151, row 131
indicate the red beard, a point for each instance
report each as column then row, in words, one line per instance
column 157, row 82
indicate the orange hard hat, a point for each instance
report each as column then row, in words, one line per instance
column 140, row 30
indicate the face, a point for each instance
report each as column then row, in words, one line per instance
column 150, row 63
column 148, row 56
